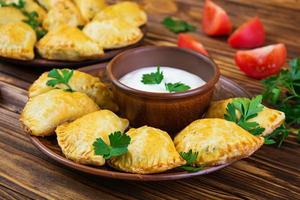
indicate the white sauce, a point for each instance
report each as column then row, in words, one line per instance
column 171, row 75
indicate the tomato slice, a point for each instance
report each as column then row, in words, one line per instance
column 249, row 35
column 261, row 62
column 189, row 42
column 215, row 20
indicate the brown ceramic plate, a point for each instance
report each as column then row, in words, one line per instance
column 225, row 88
column 41, row 62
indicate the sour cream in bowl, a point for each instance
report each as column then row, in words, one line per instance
column 169, row 97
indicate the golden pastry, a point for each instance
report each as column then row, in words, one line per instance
column 80, row 82
column 17, row 41
column 76, row 138
column 269, row 119
column 114, row 33
column 217, row 141
column 89, row 8
column 43, row 113
column 48, row 4
column 63, row 13
column 30, row 6
column 150, row 151
column 10, row 15
column 128, row 11
column 68, row 43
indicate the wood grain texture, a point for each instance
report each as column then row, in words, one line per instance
column 271, row 173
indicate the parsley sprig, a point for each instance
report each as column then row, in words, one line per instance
column 177, row 87
column 190, row 157
column 153, row 78
column 241, row 110
column 118, row 145
column 32, row 17
column 60, row 77
column 177, row 25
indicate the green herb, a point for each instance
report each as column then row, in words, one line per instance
column 177, row 26
column 118, row 145
column 32, row 17
column 153, row 78
column 60, row 77
column 20, row 4
column 241, row 110
column 177, row 87
column 190, row 157
column 278, row 136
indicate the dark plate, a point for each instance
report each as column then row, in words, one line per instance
column 225, row 88
column 41, row 62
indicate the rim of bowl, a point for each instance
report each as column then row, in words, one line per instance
column 207, row 86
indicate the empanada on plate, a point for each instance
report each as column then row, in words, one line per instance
column 10, row 15
column 17, row 41
column 68, row 43
column 80, row 82
column 217, row 141
column 89, row 8
column 63, row 13
column 43, row 113
column 114, row 33
column 76, row 138
column 127, row 11
column 269, row 119
column 30, row 6
column 150, row 151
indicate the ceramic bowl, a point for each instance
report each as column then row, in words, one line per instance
column 168, row 111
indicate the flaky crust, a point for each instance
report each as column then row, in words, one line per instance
column 127, row 11
column 89, row 8
column 43, row 113
column 113, row 33
column 80, row 82
column 150, row 151
column 63, row 13
column 10, row 15
column 76, row 138
column 270, row 119
column 17, row 41
column 68, row 43
column 217, row 141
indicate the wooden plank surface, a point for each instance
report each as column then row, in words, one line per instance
column 25, row 173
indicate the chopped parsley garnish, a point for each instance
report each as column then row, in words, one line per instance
column 60, row 77
column 177, row 25
column 190, row 157
column 118, row 145
column 241, row 110
column 153, row 78
column 177, row 87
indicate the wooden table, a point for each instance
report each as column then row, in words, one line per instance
column 271, row 173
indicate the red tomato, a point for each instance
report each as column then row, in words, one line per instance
column 261, row 62
column 215, row 20
column 189, row 42
column 249, row 35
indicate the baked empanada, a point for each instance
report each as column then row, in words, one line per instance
column 80, row 82
column 127, row 11
column 43, row 113
column 10, row 15
column 114, row 33
column 89, row 8
column 150, row 151
column 63, row 13
column 68, row 43
column 30, row 6
column 48, row 4
column 217, row 141
column 76, row 138
column 269, row 119
column 17, row 41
